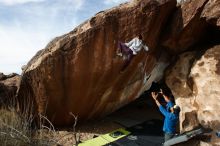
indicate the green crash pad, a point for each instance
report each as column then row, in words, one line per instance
column 106, row 138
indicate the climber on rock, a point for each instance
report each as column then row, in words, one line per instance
column 131, row 49
column 171, row 113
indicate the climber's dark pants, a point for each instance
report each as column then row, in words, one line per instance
column 125, row 50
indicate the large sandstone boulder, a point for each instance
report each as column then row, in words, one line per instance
column 194, row 81
column 79, row 72
column 8, row 88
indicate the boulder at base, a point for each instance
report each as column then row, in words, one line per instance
column 80, row 72
column 194, row 81
column 8, row 88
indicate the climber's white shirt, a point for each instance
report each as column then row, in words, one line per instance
column 136, row 45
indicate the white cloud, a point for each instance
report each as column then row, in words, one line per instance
column 18, row 46
column 14, row 2
column 110, row 2
column 31, row 27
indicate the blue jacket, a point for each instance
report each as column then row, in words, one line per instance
column 171, row 119
column 169, row 105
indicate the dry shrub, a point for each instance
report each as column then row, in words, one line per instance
column 17, row 129
column 13, row 129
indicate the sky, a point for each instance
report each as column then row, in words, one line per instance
column 26, row 26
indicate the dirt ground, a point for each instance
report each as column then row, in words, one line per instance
column 136, row 112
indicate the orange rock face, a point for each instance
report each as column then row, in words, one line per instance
column 190, row 24
column 79, row 72
column 186, row 27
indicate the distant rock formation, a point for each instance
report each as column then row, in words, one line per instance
column 79, row 72
column 8, row 87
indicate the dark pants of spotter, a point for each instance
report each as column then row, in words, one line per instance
column 125, row 50
column 168, row 136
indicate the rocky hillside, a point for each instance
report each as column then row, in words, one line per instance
column 80, row 72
